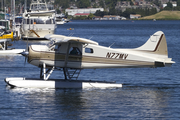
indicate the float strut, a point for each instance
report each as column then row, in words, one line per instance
column 64, row 70
column 44, row 68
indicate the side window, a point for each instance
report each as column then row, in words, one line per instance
column 38, row 21
column 48, row 21
column 74, row 51
column 29, row 21
column 89, row 50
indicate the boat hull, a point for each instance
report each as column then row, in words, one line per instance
column 11, row 52
column 53, row 84
column 33, row 38
column 40, row 32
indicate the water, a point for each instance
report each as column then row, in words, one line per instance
column 147, row 93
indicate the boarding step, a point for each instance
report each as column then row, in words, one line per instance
column 72, row 73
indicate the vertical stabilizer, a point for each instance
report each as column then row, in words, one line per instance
column 156, row 43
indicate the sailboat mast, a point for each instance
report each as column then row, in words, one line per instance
column 25, row 6
column 1, row 4
column 13, row 16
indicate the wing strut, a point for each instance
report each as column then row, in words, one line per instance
column 65, row 70
column 45, row 74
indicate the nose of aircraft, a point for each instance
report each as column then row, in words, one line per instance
column 25, row 53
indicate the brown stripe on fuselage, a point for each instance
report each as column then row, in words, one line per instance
column 53, row 56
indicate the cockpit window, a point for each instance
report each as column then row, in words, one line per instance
column 51, row 45
column 74, row 51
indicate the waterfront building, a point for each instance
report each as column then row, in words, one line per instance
column 72, row 12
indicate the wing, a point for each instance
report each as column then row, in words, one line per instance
column 61, row 39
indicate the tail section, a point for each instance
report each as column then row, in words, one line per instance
column 156, row 43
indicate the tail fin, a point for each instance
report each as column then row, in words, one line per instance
column 156, row 43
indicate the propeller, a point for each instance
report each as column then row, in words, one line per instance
column 25, row 53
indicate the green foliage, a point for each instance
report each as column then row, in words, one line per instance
column 178, row 2
column 156, row 2
column 177, row 8
column 90, row 16
column 142, row 12
column 95, row 5
column 101, row 3
column 169, row 5
column 100, row 13
column 63, row 3
column 111, row 3
column 83, row 3
column 58, row 11
column 80, row 18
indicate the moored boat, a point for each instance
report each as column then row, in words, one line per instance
column 38, row 21
column 5, row 39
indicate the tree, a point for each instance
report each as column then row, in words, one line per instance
column 63, row 3
column 101, row 3
column 58, row 11
column 100, row 13
column 178, row 2
column 83, row 4
column 90, row 16
column 169, row 5
column 156, row 2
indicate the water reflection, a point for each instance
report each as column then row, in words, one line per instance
column 127, row 102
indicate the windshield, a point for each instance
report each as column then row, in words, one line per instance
column 39, row 6
column 50, row 44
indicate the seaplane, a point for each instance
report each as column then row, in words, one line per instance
column 73, row 54
column 5, row 39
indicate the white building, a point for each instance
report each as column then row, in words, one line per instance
column 134, row 16
column 82, row 10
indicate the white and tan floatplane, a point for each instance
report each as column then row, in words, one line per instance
column 72, row 54
column 5, row 39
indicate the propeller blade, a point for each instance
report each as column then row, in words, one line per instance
column 25, row 53
column 25, row 61
column 27, row 45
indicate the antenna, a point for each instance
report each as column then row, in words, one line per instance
column 91, row 37
column 71, row 34
column 111, row 44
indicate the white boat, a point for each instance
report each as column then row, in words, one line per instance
column 5, row 23
column 61, row 19
column 52, row 84
column 5, row 38
column 38, row 21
